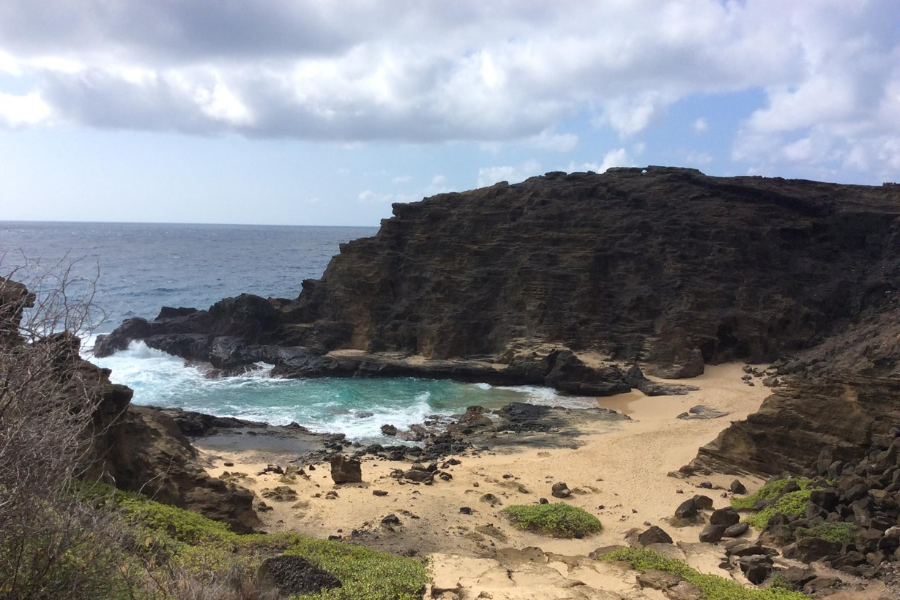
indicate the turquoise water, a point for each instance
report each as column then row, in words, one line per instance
column 326, row 405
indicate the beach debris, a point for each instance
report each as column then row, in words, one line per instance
column 560, row 490
column 345, row 469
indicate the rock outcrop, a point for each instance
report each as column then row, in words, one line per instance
column 133, row 448
column 661, row 267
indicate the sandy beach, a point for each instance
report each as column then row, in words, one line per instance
column 619, row 474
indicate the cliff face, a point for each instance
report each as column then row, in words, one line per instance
column 664, row 266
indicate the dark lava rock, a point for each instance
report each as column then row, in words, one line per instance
column 654, row 535
column 345, row 469
column 294, row 575
column 737, row 487
column 712, row 533
column 388, row 430
column 419, row 475
column 687, row 510
column 391, row 519
column 379, row 493
column 821, row 584
column 756, row 568
column 560, row 490
column 810, row 549
column 798, row 576
column 725, row 516
column 703, row 502
column 466, row 510
column 736, row 530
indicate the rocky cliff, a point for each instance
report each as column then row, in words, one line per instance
column 663, row 267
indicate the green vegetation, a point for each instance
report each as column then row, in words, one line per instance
column 767, row 492
column 832, row 532
column 793, row 503
column 712, row 587
column 557, row 520
column 185, row 541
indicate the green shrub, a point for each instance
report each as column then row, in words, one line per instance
column 792, row 504
column 712, row 587
column 557, row 520
column 833, row 532
column 767, row 492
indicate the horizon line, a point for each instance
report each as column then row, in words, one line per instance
column 48, row 221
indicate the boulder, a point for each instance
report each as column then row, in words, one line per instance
column 756, row 568
column 810, row 549
column 687, row 510
column 712, row 533
column 654, row 535
column 736, row 530
column 345, row 469
column 737, row 487
column 725, row 516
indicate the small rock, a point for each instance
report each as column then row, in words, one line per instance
column 228, row 464
column 379, row 493
column 389, row 430
column 391, row 519
column 687, row 510
column 706, row 485
column 466, row 510
column 560, row 490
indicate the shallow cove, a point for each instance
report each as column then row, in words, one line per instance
column 328, row 405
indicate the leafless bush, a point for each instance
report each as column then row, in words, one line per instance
column 52, row 545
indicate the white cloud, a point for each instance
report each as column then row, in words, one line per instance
column 18, row 111
column 494, row 73
column 513, row 174
column 370, row 197
column 700, row 125
column 401, row 179
column 613, row 158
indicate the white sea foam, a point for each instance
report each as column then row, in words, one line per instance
column 325, row 405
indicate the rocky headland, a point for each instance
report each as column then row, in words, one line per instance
column 583, row 282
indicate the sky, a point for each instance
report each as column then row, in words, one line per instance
column 325, row 112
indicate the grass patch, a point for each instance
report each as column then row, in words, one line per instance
column 793, row 504
column 712, row 587
column 182, row 539
column 767, row 492
column 556, row 520
column 832, row 532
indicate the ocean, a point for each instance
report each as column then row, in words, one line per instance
column 138, row 268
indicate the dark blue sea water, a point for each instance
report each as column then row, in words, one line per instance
column 142, row 267
column 139, row 268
